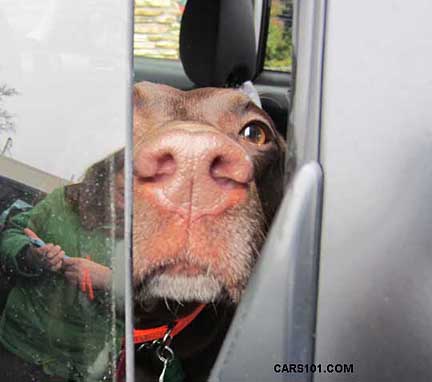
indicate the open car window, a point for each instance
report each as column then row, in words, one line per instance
column 278, row 54
column 157, row 29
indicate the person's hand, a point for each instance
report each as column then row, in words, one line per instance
column 51, row 256
column 76, row 269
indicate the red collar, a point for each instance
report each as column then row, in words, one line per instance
column 151, row 334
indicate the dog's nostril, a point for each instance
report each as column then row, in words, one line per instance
column 166, row 165
column 217, row 167
column 231, row 169
column 154, row 167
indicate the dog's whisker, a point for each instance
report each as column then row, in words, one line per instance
column 213, row 305
column 167, row 305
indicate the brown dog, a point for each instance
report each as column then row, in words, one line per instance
column 208, row 167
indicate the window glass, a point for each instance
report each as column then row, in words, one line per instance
column 279, row 38
column 63, row 119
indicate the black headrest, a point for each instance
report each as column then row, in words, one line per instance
column 217, row 42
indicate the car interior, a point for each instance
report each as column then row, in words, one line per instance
column 218, row 48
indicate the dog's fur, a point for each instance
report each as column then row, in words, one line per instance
column 223, row 246
column 180, row 261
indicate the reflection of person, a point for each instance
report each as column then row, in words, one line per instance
column 49, row 327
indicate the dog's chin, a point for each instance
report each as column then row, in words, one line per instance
column 199, row 288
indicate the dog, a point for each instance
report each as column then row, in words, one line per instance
column 208, row 178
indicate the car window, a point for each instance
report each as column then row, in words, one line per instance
column 64, row 99
column 279, row 45
column 157, row 29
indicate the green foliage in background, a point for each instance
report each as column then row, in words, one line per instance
column 279, row 40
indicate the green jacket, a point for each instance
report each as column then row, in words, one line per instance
column 46, row 320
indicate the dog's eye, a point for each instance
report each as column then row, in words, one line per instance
column 256, row 133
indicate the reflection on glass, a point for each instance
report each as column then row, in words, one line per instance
column 59, row 320
column 63, row 107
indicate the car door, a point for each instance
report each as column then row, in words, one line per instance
column 374, row 307
column 342, row 291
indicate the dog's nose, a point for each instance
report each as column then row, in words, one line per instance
column 194, row 173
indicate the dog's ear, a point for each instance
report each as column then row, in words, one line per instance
column 92, row 197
